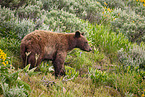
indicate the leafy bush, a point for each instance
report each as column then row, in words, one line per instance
column 6, row 14
column 112, row 3
column 138, row 6
column 135, row 57
column 16, row 29
column 12, row 3
column 62, row 21
column 23, row 27
column 6, row 22
column 84, row 9
column 130, row 24
column 13, row 27
column 140, row 10
column 29, row 12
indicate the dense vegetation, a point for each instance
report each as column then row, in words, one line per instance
column 115, row 30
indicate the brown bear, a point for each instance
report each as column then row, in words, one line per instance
column 45, row 45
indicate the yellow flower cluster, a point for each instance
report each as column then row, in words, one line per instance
column 105, row 3
column 143, row 1
column 3, row 57
column 108, row 9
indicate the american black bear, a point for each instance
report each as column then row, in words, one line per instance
column 46, row 45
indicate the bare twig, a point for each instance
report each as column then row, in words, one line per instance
column 64, row 80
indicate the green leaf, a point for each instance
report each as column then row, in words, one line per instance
column 14, row 75
column 24, row 84
column 26, row 68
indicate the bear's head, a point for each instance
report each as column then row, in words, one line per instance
column 81, row 42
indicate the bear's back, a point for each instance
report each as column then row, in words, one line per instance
column 43, row 36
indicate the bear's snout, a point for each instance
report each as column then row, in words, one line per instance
column 88, row 49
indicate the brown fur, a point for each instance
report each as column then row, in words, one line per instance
column 51, row 46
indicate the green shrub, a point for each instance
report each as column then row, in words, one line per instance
column 137, row 5
column 130, row 24
column 16, row 29
column 12, row 27
column 6, row 22
column 12, row 3
column 29, row 12
column 62, row 21
column 140, row 10
column 89, row 9
column 113, row 3
column 92, row 10
column 135, row 57
column 6, row 14
column 23, row 27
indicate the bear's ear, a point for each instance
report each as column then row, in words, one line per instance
column 83, row 33
column 77, row 34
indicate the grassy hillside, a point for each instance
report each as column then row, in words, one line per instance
column 115, row 31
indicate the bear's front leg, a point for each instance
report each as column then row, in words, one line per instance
column 58, row 64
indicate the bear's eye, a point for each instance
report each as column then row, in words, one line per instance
column 86, row 42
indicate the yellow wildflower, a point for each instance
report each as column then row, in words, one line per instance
column 105, row 3
column 137, row 0
column 141, row 0
column 4, row 63
column 144, row 4
column 4, row 58
column 142, row 95
column 133, row 21
column 109, row 9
